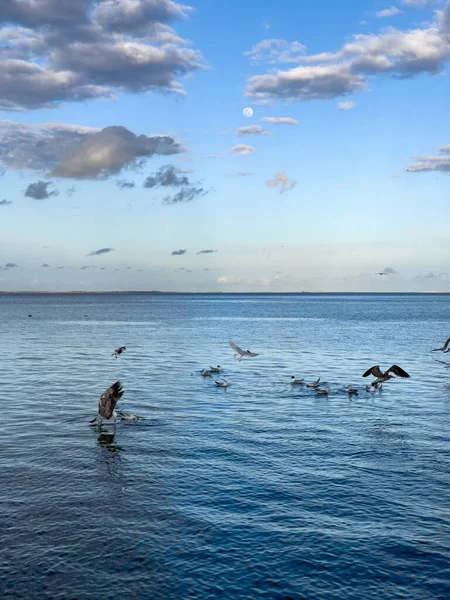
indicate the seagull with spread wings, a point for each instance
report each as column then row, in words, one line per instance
column 241, row 353
column 445, row 348
column 107, row 403
column 442, row 362
column 380, row 376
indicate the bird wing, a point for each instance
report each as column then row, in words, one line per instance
column 442, row 362
column 109, row 399
column 375, row 371
column 398, row 371
column 236, row 348
column 251, row 353
column 446, row 344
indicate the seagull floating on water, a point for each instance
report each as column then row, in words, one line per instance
column 351, row 390
column 118, row 351
column 380, row 377
column 296, row 381
column 222, row 384
column 206, row 373
column 322, row 392
column 129, row 416
column 107, row 403
column 241, row 353
column 313, row 384
column 445, row 348
column 217, row 369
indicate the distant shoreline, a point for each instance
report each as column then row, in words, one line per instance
column 160, row 293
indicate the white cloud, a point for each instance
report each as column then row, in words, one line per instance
column 401, row 54
column 280, row 120
column 348, row 105
column 282, row 181
column 440, row 162
column 388, row 12
column 275, row 50
column 242, row 149
column 251, row 130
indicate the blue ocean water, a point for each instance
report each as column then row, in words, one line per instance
column 263, row 490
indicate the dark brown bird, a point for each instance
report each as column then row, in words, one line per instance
column 107, row 403
column 445, row 348
column 380, row 376
column 118, row 351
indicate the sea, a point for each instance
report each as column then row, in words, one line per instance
column 262, row 490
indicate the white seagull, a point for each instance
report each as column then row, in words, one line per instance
column 241, row 353
column 129, row 416
column 297, row 381
column 222, row 384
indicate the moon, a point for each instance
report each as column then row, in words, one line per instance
column 248, row 112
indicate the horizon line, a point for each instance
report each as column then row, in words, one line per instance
column 218, row 293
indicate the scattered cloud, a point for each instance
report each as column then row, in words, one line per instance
column 251, row 130
column 242, row 149
column 178, row 252
column 348, row 105
column 439, row 162
column 84, row 267
column 282, row 181
column 39, row 190
column 78, row 152
column 363, row 22
column 388, row 271
column 166, row 176
column 169, row 176
column 393, row 52
column 388, row 12
column 240, row 174
column 59, row 268
column 65, row 50
column 206, row 251
column 11, row 265
column 123, row 184
column 275, row 51
column 100, row 252
column 280, row 120
column 5, row 202
column 232, row 280
column 45, row 265
column 71, row 191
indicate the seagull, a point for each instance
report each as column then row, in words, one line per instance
column 442, row 362
column 241, row 353
column 107, row 403
column 322, row 392
column 314, row 384
column 129, row 416
column 380, row 377
column 352, row 390
column 118, row 351
column 445, row 348
column 296, row 381
column 222, row 384
column 216, row 369
column 374, row 387
column 382, row 273
column 206, row 373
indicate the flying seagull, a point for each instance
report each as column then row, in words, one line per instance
column 107, row 403
column 241, row 353
column 445, row 348
column 442, row 362
column 118, row 351
column 380, row 377
column 381, row 273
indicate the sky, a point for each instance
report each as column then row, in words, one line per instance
column 128, row 160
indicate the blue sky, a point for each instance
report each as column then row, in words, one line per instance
column 350, row 182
